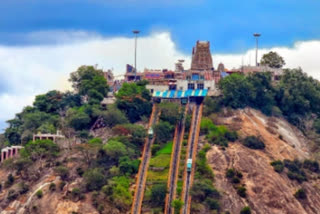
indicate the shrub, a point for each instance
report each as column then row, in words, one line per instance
column 80, row 171
column 62, row 184
column 62, row 171
column 115, row 149
column 163, row 132
column 231, row 136
column 203, row 189
column 242, row 191
column 23, row 188
column 76, row 194
column 235, row 180
column 177, row 204
column 278, row 166
column 253, row 142
column 52, row 187
column 230, row 173
column 9, row 181
column 311, row 165
column 158, row 194
column 12, row 195
column 213, row 204
column 300, row 194
column 170, row 112
column 155, row 149
column 295, row 172
column 39, row 193
column 94, row 179
column 245, row 210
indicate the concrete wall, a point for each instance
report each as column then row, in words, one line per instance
column 153, row 88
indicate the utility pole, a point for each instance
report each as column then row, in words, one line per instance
column 135, row 32
column 257, row 35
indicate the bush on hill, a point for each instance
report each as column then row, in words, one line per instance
column 253, row 142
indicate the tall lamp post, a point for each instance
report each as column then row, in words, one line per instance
column 257, row 35
column 135, row 32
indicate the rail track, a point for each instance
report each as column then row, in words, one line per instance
column 174, row 165
column 143, row 168
column 191, row 154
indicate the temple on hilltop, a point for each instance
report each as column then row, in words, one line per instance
column 200, row 79
column 201, row 57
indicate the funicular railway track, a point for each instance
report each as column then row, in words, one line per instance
column 174, row 165
column 191, row 154
column 143, row 168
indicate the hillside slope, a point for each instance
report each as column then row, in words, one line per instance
column 267, row 190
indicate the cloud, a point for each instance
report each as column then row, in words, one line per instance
column 26, row 71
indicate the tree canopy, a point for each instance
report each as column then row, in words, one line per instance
column 273, row 60
column 89, row 81
column 134, row 100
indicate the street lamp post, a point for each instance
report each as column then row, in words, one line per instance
column 135, row 32
column 257, row 35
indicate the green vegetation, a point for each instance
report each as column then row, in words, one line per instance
column 94, row 179
column 296, row 169
column 40, row 149
column 242, row 191
column 273, row 60
column 170, row 112
column 39, row 193
column 278, row 166
column 203, row 191
column 284, row 98
column 235, row 176
column 253, row 142
column 300, row 194
column 62, row 171
column 218, row 135
column 158, row 194
column 52, row 187
column 177, row 205
column 89, row 81
column 9, row 181
column 134, row 100
column 245, row 210
column 163, row 131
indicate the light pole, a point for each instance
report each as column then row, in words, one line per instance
column 135, row 32
column 257, row 35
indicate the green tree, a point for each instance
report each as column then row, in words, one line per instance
column 40, row 149
column 89, row 81
column 115, row 150
column 78, row 119
column 273, row 60
column 163, row 132
column 170, row 112
column 134, row 100
column 237, row 91
column 245, row 210
column 177, row 205
column 114, row 116
column 158, row 194
column 49, row 102
column 94, row 179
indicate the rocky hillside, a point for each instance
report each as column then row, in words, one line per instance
column 267, row 191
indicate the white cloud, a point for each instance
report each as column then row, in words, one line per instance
column 31, row 70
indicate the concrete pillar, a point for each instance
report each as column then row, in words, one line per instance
column 9, row 153
column 4, row 155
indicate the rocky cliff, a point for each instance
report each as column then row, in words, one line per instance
column 267, row 190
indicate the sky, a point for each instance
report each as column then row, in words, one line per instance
column 41, row 42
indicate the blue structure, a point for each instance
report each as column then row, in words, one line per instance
column 179, row 94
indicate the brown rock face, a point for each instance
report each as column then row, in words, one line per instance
column 268, row 192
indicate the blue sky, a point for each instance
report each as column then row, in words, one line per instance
column 41, row 42
column 227, row 24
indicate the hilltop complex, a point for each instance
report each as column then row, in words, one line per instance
column 201, row 76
